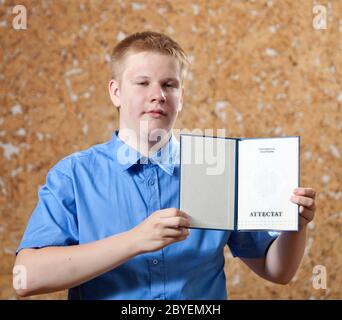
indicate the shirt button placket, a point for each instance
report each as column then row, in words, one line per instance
column 157, row 276
column 153, row 190
column 156, row 262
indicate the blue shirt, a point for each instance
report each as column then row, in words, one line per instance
column 106, row 190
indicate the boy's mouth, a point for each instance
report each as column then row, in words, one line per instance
column 156, row 113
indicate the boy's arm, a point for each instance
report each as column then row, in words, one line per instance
column 57, row 268
column 285, row 253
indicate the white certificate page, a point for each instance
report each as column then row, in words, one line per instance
column 207, row 186
column 268, row 171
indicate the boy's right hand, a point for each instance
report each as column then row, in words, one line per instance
column 161, row 228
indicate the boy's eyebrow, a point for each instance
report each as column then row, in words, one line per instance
column 164, row 79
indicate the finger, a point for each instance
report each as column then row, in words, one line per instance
column 175, row 222
column 307, row 192
column 181, row 238
column 172, row 212
column 167, row 213
column 303, row 201
column 175, row 233
column 306, row 213
column 170, row 240
column 183, row 214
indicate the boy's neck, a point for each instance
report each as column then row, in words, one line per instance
column 143, row 145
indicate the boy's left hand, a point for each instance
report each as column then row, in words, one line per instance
column 305, row 198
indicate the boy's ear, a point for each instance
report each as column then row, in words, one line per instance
column 180, row 105
column 114, row 92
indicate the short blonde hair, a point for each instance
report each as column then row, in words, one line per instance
column 147, row 41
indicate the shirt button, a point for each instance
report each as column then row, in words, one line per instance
column 151, row 182
column 155, row 261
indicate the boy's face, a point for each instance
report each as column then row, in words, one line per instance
column 149, row 94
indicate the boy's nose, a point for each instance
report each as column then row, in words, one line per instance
column 157, row 94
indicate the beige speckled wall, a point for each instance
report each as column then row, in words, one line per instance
column 259, row 68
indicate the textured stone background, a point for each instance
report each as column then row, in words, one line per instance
column 259, row 69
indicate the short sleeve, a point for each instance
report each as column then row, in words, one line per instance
column 251, row 244
column 54, row 220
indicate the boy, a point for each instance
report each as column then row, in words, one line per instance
column 106, row 224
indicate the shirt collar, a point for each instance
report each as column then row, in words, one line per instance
column 166, row 157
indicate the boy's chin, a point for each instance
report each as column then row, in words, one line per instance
column 156, row 132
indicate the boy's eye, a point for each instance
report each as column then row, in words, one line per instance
column 165, row 85
column 169, row 85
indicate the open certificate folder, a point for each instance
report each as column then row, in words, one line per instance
column 239, row 184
